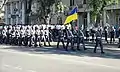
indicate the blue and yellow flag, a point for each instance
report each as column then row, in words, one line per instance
column 73, row 16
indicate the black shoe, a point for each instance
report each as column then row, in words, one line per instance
column 30, row 45
column 72, row 49
column 102, row 52
column 94, row 51
column 35, row 45
column 78, row 49
column 119, row 46
column 85, row 48
column 45, row 45
column 66, row 49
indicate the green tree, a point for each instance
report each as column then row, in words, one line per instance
column 98, row 6
column 43, row 9
column 60, row 9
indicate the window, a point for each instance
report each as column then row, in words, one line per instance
column 8, row 8
column 84, row 1
column 71, row 2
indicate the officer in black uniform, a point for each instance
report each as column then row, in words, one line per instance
column 8, row 35
column 112, row 35
column 60, row 38
column 36, row 37
column 55, row 33
column 26, row 36
column 13, row 36
column 80, row 39
column 50, row 34
column 106, row 34
column 93, row 34
column 98, row 40
column 119, row 37
column 70, row 39
column 20, row 38
column 87, row 34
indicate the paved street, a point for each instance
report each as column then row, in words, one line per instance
column 50, row 59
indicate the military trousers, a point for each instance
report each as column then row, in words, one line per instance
column 98, row 42
column 80, row 40
column 70, row 41
column 60, row 40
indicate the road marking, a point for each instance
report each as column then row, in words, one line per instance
column 13, row 67
column 54, row 57
column 18, row 68
column 31, row 71
column 7, row 66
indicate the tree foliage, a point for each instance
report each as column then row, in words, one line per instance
column 60, row 9
column 43, row 8
column 98, row 7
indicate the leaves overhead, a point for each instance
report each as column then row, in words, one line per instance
column 99, row 5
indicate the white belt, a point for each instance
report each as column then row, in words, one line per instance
column 98, row 37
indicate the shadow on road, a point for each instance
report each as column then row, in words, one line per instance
column 110, row 52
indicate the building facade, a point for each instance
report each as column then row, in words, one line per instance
column 14, row 12
column 111, row 14
column 1, row 12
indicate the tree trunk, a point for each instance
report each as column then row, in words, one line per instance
column 97, row 23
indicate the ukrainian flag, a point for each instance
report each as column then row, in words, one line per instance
column 73, row 16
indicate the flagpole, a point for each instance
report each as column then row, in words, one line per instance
column 78, row 25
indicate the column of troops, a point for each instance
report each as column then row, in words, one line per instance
column 33, row 35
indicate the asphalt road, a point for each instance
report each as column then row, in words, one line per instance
column 18, row 61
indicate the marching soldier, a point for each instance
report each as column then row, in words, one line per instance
column 74, row 32
column 21, row 34
column 46, row 37
column 10, row 32
column 106, row 33
column 70, row 39
column 93, row 34
column 36, row 37
column 30, row 36
column 119, row 37
column 98, row 40
column 40, row 34
column 26, row 36
column 8, row 35
column 112, row 35
column 60, row 38
column 16, row 35
column 80, row 39
column 87, row 34
column 4, row 35
column 50, row 34
column 13, row 35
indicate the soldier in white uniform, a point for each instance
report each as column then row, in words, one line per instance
column 36, row 36
column 4, row 35
column 30, row 36
column 21, row 36
column 46, row 37
column 40, row 34
column 26, row 36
